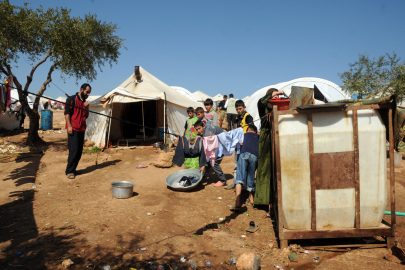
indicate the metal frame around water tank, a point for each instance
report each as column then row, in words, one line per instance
column 385, row 229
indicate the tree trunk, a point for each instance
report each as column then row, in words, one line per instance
column 33, row 137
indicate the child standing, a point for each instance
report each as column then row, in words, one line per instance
column 247, row 165
column 210, row 113
column 243, row 120
column 201, row 115
column 189, row 130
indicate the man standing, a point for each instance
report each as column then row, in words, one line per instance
column 222, row 109
column 231, row 113
column 76, row 126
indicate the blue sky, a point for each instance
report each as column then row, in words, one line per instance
column 235, row 46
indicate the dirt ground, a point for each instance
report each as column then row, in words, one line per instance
column 46, row 218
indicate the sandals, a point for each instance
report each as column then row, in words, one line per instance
column 253, row 226
column 71, row 175
column 249, row 203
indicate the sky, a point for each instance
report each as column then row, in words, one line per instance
column 233, row 46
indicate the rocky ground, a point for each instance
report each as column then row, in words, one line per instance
column 45, row 218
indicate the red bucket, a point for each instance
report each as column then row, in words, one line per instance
column 282, row 104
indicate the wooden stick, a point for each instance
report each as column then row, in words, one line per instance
column 356, row 169
column 311, row 165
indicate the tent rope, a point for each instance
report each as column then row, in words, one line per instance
column 114, row 118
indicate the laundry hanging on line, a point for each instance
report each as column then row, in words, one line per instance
column 185, row 150
column 230, row 141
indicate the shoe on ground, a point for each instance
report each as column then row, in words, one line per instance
column 231, row 186
column 219, row 184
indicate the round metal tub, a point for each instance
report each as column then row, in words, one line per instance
column 176, row 176
column 122, row 189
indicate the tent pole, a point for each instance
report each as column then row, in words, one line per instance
column 164, row 120
column 109, row 126
column 143, row 123
column 157, row 120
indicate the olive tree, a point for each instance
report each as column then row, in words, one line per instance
column 75, row 46
column 375, row 77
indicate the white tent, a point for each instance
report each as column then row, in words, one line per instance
column 8, row 119
column 218, row 98
column 145, row 101
column 328, row 92
column 63, row 99
column 245, row 99
column 30, row 99
column 184, row 92
column 201, row 97
column 91, row 98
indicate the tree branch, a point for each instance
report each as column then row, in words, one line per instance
column 44, row 85
column 29, row 77
column 3, row 70
column 385, row 89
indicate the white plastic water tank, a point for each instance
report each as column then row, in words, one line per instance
column 333, row 136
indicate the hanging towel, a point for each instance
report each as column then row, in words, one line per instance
column 210, row 144
column 229, row 142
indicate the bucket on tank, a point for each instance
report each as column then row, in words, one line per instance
column 281, row 103
column 46, row 120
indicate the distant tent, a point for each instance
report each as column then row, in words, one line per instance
column 245, row 99
column 201, row 97
column 142, row 99
column 217, row 98
column 184, row 92
column 8, row 120
column 61, row 99
column 328, row 91
column 91, row 98
column 30, row 99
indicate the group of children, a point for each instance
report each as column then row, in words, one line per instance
column 205, row 124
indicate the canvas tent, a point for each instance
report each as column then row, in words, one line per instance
column 142, row 99
column 328, row 92
column 201, row 97
column 184, row 92
column 245, row 99
column 91, row 98
column 218, row 98
column 8, row 120
column 62, row 99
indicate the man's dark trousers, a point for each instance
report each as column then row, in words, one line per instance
column 75, row 145
column 231, row 117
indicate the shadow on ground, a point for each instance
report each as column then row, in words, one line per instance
column 27, row 246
